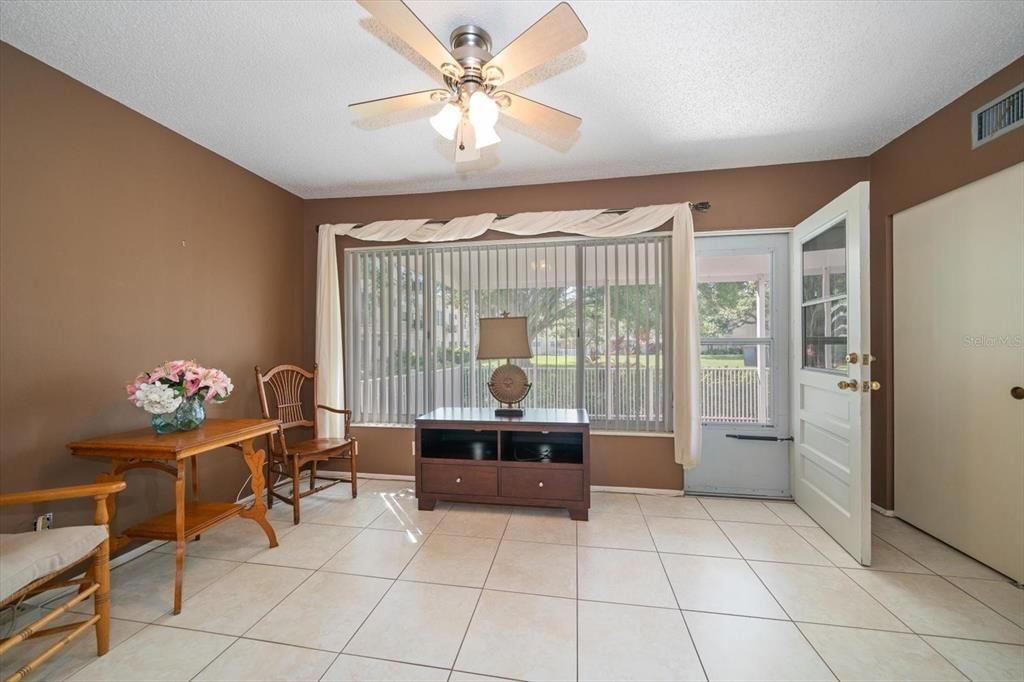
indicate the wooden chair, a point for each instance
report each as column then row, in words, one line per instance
column 35, row 562
column 286, row 382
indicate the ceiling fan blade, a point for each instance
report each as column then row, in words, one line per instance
column 391, row 105
column 401, row 20
column 541, row 116
column 554, row 33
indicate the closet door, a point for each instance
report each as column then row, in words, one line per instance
column 958, row 382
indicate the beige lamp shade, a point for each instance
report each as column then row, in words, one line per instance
column 503, row 337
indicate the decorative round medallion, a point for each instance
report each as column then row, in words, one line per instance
column 509, row 384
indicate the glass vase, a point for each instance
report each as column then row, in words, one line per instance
column 190, row 414
column 163, row 423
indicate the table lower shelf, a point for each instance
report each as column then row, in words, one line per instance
column 199, row 517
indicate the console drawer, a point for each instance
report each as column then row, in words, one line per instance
column 456, row 479
column 542, row 483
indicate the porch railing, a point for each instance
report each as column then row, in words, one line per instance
column 626, row 397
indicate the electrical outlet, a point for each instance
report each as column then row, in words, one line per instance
column 44, row 521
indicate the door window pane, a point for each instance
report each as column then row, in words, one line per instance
column 823, row 314
column 734, row 302
column 824, row 264
column 733, row 295
column 824, row 327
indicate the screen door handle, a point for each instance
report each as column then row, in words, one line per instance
column 770, row 439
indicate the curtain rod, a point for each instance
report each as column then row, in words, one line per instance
column 699, row 206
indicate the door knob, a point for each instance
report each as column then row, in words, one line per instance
column 541, row 484
column 851, row 358
column 869, row 386
column 459, row 479
column 1017, row 392
column 850, row 385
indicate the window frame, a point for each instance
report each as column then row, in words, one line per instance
column 352, row 318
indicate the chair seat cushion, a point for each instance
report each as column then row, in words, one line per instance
column 318, row 445
column 27, row 557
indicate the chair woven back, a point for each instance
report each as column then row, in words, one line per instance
column 286, row 382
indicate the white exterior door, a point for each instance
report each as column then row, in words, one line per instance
column 831, row 373
column 743, row 294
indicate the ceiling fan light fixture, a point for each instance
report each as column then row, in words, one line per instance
column 483, row 111
column 486, row 136
column 446, row 121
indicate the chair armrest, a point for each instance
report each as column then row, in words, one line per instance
column 94, row 490
column 334, row 410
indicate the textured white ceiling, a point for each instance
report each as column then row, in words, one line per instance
column 661, row 86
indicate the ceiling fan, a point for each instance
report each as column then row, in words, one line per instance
column 473, row 78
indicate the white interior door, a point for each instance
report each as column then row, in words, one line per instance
column 958, row 325
column 831, row 383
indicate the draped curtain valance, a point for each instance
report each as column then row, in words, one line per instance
column 589, row 223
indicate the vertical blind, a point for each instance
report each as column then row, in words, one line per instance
column 599, row 320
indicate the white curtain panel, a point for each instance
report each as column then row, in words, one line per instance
column 467, row 227
column 330, row 359
column 590, row 223
column 529, row 224
column 685, row 341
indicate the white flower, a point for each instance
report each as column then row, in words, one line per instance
column 157, row 398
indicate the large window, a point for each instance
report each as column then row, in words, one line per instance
column 598, row 314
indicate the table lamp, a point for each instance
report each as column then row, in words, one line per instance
column 506, row 337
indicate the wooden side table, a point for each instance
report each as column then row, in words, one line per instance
column 144, row 449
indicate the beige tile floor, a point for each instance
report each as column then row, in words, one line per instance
column 652, row 588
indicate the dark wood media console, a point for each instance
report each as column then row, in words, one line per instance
column 541, row 459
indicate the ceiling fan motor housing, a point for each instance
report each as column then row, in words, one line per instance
column 471, row 47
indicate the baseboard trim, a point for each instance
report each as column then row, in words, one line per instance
column 635, row 491
column 389, row 477
column 883, row 511
column 135, row 553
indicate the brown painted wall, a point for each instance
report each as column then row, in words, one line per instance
column 634, row 461
column 122, row 244
column 768, row 196
column 930, row 159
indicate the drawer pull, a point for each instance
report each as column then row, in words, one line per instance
column 541, row 484
column 459, row 479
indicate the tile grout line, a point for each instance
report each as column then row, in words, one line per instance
column 146, row 624
column 947, row 579
column 904, row 554
column 675, row 597
column 908, row 526
column 479, row 596
column 370, row 612
column 360, row 626
column 761, row 580
column 238, row 637
column 280, row 601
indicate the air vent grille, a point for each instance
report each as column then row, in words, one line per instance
column 999, row 116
